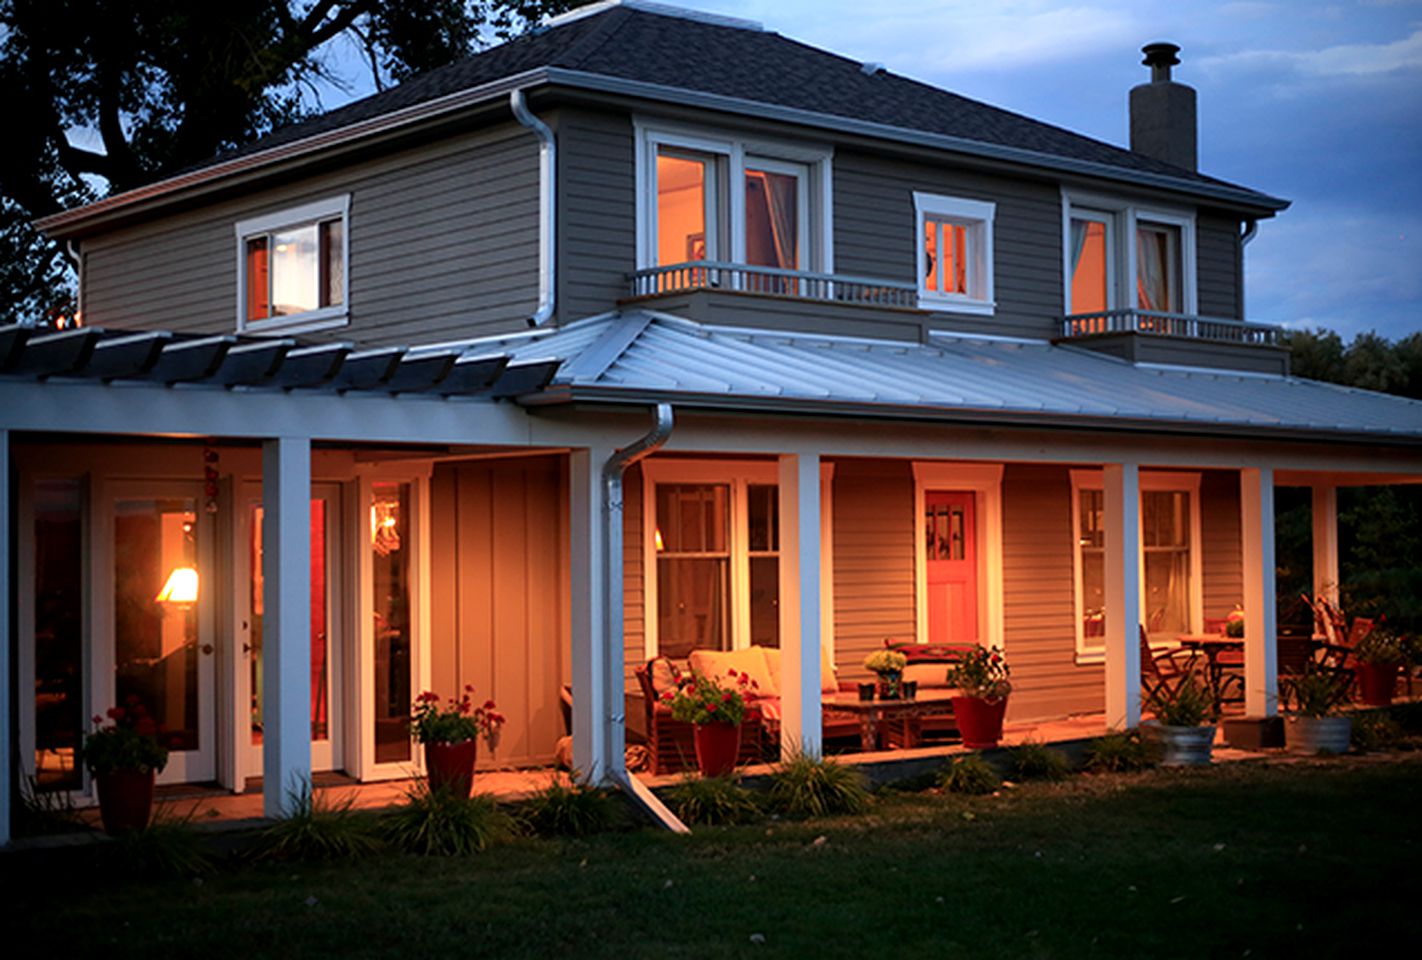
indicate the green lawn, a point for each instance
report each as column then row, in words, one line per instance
column 1309, row 859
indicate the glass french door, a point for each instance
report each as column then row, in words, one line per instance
column 325, row 616
column 155, row 604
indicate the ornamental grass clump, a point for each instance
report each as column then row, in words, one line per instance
column 1316, row 692
column 168, row 847
column 805, row 786
column 969, row 774
column 1036, row 761
column 568, row 807
column 713, row 801
column 1190, row 704
column 442, row 823
column 320, row 829
column 1118, row 753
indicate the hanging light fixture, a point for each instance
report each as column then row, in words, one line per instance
column 182, row 586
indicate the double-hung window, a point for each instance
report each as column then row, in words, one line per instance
column 1170, row 560
column 729, row 199
column 712, row 553
column 954, row 253
column 1122, row 256
column 292, row 272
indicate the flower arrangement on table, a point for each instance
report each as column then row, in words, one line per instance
column 129, row 742
column 456, row 722
column 888, row 666
column 701, row 700
column 981, row 672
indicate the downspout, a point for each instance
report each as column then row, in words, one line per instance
column 1249, row 233
column 547, row 205
column 612, row 518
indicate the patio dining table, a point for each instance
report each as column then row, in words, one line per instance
column 1214, row 646
column 874, row 714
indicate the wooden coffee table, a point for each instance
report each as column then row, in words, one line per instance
column 872, row 714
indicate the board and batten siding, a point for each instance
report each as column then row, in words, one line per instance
column 1219, row 267
column 443, row 245
column 496, row 597
column 875, row 235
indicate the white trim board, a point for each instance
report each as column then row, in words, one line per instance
column 985, row 481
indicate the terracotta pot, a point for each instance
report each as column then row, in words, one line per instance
column 1378, row 681
column 1186, row 746
column 450, row 766
column 125, row 799
column 979, row 721
column 717, row 746
column 1315, row 735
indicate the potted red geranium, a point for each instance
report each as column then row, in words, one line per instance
column 450, row 735
column 980, row 677
column 1379, row 655
column 124, row 758
column 716, row 712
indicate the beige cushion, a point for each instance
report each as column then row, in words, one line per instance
column 663, row 675
column 927, row 674
column 829, row 681
column 752, row 660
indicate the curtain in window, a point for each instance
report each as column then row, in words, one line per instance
column 1152, row 272
column 1078, row 242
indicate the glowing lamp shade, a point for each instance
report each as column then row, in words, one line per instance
column 661, row 545
column 182, row 586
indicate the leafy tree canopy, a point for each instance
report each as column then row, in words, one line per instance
column 1370, row 361
column 103, row 96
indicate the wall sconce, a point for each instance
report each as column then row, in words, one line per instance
column 182, row 586
column 658, row 540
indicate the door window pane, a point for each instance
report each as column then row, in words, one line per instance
column 692, row 605
column 765, row 601
column 1165, row 540
column 59, row 639
column 1090, row 259
column 390, row 571
column 1092, row 547
column 156, row 641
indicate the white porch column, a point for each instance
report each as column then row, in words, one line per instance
column 7, row 641
column 800, row 613
column 286, row 625
column 591, row 589
column 1261, row 635
column 1325, row 541
column 1122, row 503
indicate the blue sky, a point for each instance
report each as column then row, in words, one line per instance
column 1319, row 103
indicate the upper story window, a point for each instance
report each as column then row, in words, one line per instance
column 1122, row 256
column 954, row 253
column 292, row 268
column 726, row 198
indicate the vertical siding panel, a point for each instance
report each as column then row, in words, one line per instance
column 509, row 503
column 444, row 589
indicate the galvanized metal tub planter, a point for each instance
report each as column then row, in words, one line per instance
column 1186, row 746
column 1314, row 735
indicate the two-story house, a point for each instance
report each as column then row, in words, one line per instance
column 647, row 332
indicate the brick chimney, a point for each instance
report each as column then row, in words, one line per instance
column 1163, row 111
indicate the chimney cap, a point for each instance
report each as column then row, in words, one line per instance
column 1160, row 54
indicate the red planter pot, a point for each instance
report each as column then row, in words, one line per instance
column 717, row 746
column 1378, row 682
column 450, row 766
column 125, row 799
column 979, row 721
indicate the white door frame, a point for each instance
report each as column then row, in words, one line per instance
column 984, row 480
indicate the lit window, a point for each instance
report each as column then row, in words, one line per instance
column 1158, row 267
column 1091, row 262
column 954, row 253
column 1123, row 257
column 293, row 273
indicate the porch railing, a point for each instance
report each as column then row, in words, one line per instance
column 772, row 281
column 1160, row 323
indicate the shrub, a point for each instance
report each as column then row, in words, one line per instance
column 320, row 829
column 1376, row 731
column 969, row 774
column 804, row 786
column 568, row 807
column 167, row 847
column 713, row 800
column 1117, row 753
column 1035, row 761
column 442, row 823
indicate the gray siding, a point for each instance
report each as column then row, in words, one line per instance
column 874, row 235
column 597, row 229
column 1218, row 266
column 1221, row 561
column 443, row 244
column 496, row 607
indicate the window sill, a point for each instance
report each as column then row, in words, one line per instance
column 327, row 318
column 1090, row 658
column 979, row 308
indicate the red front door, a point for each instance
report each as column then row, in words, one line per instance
column 952, row 572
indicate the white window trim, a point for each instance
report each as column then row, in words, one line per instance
column 324, row 318
column 1178, row 481
column 1124, row 215
column 977, row 216
column 818, row 245
column 984, row 480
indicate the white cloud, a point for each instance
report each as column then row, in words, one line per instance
column 1348, row 59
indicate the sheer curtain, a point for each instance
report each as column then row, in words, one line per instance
column 1152, row 277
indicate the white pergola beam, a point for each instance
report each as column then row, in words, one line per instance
column 591, row 589
column 286, row 624
column 800, row 610
column 1326, row 576
column 1261, row 666
column 1122, row 503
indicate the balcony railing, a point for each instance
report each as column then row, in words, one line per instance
column 772, row 281
column 1161, row 324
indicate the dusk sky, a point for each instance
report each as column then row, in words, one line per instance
column 1319, row 103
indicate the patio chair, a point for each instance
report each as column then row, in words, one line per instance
column 671, row 743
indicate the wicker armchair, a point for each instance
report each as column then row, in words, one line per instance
column 671, row 743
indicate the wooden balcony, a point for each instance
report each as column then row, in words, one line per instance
column 772, row 281
column 1162, row 324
